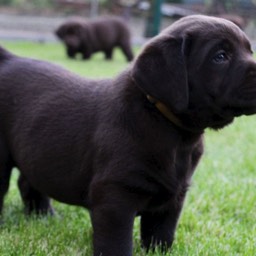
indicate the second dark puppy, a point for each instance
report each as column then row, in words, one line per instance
column 99, row 35
column 126, row 146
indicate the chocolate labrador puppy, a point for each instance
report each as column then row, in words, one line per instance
column 127, row 146
column 99, row 35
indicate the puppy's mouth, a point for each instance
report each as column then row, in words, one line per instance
column 243, row 100
column 245, row 104
column 226, row 114
column 239, row 111
column 240, row 102
column 219, row 121
column 219, row 118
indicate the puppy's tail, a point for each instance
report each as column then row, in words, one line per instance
column 4, row 54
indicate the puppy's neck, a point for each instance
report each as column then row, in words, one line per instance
column 167, row 113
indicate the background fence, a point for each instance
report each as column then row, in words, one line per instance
column 37, row 19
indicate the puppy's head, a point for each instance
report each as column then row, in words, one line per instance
column 202, row 68
column 71, row 32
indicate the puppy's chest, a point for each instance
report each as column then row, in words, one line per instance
column 170, row 176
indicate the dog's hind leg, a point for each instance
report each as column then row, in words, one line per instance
column 71, row 53
column 127, row 51
column 34, row 201
column 6, row 165
column 5, row 173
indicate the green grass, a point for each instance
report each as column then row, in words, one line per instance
column 56, row 53
column 219, row 216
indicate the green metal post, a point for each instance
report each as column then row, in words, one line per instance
column 154, row 18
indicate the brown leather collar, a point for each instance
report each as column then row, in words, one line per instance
column 167, row 113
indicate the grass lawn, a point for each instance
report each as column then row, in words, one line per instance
column 219, row 216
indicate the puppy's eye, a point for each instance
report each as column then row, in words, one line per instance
column 220, row 57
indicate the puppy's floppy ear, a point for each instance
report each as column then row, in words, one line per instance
column 78, row 29
column 83, row 30
column 160, row 71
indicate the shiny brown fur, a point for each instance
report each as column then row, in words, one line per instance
column 103, row 145
column 99, row 35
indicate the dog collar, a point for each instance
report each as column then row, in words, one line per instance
column 167, row 113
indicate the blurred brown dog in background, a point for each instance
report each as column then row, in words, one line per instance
column 99, row 35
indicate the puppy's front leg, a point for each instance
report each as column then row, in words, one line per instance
column 112, row 232
column 86, row 53
column 71, row 52
column 112, row 215
column 158, row 228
